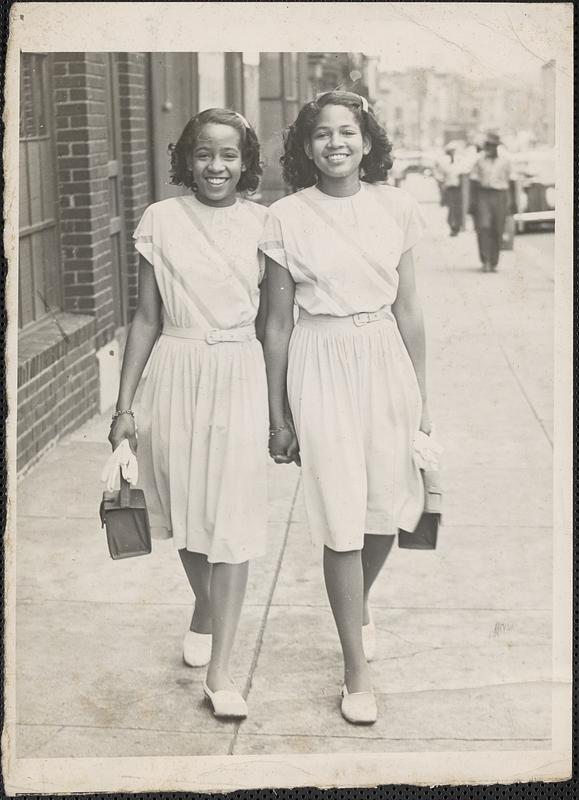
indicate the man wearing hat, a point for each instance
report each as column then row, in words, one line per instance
column 492, row 198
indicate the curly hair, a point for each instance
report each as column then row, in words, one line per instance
column 249, row 145
column 299, row 171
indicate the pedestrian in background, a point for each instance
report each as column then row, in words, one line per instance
column 492, row 198
column 451, row 182
column 203, row 413
column 352, row 370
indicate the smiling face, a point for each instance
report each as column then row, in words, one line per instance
column 337, row 146
column 216, row 164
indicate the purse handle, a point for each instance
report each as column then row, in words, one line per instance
column 125, row 495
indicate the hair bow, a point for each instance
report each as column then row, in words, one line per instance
column 242, row 118
column 363, row 100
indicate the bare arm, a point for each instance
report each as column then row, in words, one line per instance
column 142, row 335
column 278, row 329
column 408, row 313
column 261, row 312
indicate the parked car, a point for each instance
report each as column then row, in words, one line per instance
column 536, row 189
column 407, row 161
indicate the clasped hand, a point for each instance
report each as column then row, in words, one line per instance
column 284, row 447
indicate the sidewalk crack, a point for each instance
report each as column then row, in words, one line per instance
column 268, row 604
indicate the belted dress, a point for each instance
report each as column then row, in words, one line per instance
column 202, row 415
column 352, row 388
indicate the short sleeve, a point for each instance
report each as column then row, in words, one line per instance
column 414, row 225
column 271, row 243
column 143, row 235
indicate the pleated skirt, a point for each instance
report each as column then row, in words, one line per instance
column 356, row 405
column 202, row 447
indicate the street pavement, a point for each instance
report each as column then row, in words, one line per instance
column 464, row 633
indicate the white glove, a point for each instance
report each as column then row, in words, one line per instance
column 124, row 459
column 426, row 451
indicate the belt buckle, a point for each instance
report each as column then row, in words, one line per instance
column 363, row 318
column 213, row 337
column 217, row 336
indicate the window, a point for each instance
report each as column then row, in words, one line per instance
column 211, row 67
column 234, row 81
column 39, row 291
column 33, row 97
column 270, row 76
column 290, row 76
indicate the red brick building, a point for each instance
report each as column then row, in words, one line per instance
column 94, row 133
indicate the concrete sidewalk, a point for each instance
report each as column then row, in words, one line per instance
column 464, row 633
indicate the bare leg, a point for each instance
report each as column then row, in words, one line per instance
column 375, row 552
column 344, row 584
column 198, row 571
column 228, row 584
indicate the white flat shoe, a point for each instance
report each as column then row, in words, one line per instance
column 369, row 640
column 227, row 703
column 359, row 708
column 197, row 649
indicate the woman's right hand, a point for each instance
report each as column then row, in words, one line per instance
column 123, row 427
column 284, row 447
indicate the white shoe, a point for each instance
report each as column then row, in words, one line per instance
column 197, row 649
column 359, row 708
column 369, row 639
column 227, row 703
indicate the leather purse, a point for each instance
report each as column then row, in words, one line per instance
column 124, row 515
column 425, row 535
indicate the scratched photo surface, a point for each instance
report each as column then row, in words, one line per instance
column 472, row 666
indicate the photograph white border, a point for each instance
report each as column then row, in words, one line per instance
column 302, row 27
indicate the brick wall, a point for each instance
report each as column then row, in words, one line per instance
column 82, row 157
column 57, row 383
column 135, row 155
column 58, row 372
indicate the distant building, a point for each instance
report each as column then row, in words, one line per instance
column 425, row 108
column 356, row 72
column 420, row 107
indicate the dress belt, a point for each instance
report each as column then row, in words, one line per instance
column 362, row 318
column 245, row 333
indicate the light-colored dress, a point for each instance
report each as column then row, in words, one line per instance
column 352, row 387
column 202, row 416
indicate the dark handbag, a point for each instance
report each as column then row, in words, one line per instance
column 425, row 535
column 124, row 515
